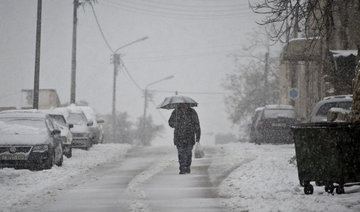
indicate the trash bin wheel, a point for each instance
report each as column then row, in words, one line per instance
column 308, row 189
column 340, row 189
column 329, row 188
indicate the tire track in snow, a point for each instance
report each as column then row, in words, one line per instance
column 134, row 187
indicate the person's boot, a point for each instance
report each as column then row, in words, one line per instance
column 187, row 170
column 182, row 170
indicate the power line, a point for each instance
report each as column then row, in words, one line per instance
column 130, row 76
column 99, row 26
column 184, row 56
column 190, row 92
column 187, row 8
column 162, row 115
column 171, row 14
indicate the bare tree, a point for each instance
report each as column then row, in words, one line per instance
column 284, row 18
column 254, row 81
column 316, row 19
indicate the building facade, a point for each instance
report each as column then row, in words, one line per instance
column 317, row 67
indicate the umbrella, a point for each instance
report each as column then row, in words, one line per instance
column 173, row 102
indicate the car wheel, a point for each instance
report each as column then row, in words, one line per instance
column 50, row 161
column 60, row 162
column 69, row 153
column 308, row 189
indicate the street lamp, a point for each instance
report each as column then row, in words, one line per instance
column 146, row 103
column 116, row 62
column 146, row 91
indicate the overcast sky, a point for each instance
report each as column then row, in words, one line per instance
column 190, row 39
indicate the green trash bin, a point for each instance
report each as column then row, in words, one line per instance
column 327, row 153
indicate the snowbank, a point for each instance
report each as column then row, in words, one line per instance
column 17, row 186
column 262, row 179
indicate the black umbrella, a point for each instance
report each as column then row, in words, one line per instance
column 173, row 102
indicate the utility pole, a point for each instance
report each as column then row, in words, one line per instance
column 148, row 96
column 116, row 62
column 296, row 24
column 266, row 73
column 37, row 57
column 145, row 102
column 73, row 58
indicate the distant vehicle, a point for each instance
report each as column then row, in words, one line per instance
column 273, row 124
column 48, row 98
column 28, row 139
column 319, row 112
column 61, row 124
column 82, row 135
column 96, row 128
column 253, row 122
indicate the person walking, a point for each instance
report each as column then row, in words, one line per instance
column 185, row 122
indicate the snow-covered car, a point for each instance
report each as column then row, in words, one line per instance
column 253, row 122
column 96, row 128
column 273, row 124
column 61, row 124
column 29, row 140
column 319, row 112
column 82, row 136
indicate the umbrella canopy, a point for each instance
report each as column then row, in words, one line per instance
column 173, row 102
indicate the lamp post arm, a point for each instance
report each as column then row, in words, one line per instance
column 166, row 78
column 135, row 41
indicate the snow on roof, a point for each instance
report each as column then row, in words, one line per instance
column 343, row 53
column 347, row 97
column 19, row 129
column 259, row 108
column 63, row 110
column 50, row 111
column 287, row 107
column 74, row 109
column 339, row 110
column 23, row 113
column 89, row 112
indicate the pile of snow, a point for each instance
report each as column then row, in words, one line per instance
column 17, row 186
column 261, row 178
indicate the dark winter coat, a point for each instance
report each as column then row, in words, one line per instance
column 189, row 127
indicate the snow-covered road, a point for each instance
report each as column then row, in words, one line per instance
column 233, row 177
column 146, row 179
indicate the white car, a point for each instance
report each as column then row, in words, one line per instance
column 319, row 112
column 82, row 136
column 61, row 124
column 96, row 128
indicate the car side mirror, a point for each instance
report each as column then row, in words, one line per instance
column 55, row 132
column 71, row 126
column 90, row 123
column 100, row 121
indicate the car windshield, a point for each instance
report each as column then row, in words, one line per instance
column 58, row 120
column 77, row 118
column 323, row 110
column 276, row 113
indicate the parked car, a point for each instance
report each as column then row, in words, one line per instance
column 319, row 112
column 82, row 135
column 28, row 139
column 96, row 128
column 253, row 122
column 273, row 124
column 61, row 124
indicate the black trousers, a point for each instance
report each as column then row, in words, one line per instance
column 185, row 156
